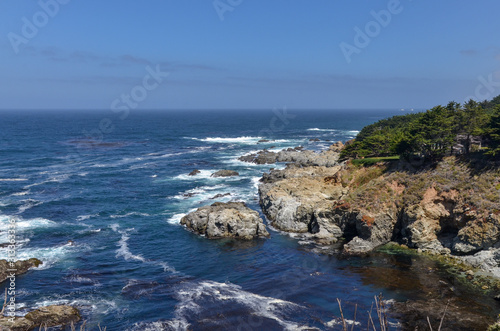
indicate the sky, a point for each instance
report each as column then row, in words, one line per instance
column 247, row 54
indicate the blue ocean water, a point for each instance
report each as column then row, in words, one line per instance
column 98, row 196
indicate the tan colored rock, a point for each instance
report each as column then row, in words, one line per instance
column 337, row 147
column 226, row 220
column 45, row 316
column 21, row 267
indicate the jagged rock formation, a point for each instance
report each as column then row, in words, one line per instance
column 45, row 316
column 21, row 267
column 222, row 220
column 296, row 155
column 449, row 209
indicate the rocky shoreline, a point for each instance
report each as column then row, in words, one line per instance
column 448, row 210
column 448, row 213
column 436, row 210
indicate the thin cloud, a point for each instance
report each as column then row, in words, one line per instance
column 469, row 52
column 130, row 59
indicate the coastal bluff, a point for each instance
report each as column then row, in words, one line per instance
column 448, row 209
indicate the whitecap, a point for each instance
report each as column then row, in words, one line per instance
column 225, row 140
column 19, row 194
column 324, row 130
column 13, row 179
column 22, row 224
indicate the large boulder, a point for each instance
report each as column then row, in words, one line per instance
column 21, row 267
column 42, row 317
column 223, row 220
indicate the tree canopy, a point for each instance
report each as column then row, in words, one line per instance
column 437, row 132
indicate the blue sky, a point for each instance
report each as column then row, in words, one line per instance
column 262, row 54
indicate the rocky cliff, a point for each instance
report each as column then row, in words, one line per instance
column 451, row 208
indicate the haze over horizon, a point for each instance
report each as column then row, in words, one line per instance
column 225, row 54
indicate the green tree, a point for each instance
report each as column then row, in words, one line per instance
column 431, row 136
column 494, row 132
column 471, row 122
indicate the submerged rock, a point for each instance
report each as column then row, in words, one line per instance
column 194, row 172
column 225, row 173
column 226, row 220
column 21, row 267
column 220, row 195
column 42, row 317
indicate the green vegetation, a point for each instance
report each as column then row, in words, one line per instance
column 441, row 131
column 374, row 160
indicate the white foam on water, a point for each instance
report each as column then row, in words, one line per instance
column 114, row 227
column 20, row 194
column 13, row 179
column 353, row 131
column 22, row 224
column 237, row 140
column 28, row 204
column 97, row 305
column 133, row 213
column 175, row 324
column 86, row 217
column 176, row 219
column 204, row 174
column 124, row 252
column 48, row 255
column 324, row 130
column 256, row 182
column 192, row 294
column 54, row 179
column 201, row 192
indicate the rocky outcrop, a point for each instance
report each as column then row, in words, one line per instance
column 438, row 209
column 42, row 317
column 302, row 200
column 226, row 220
column 297, row 155
column 20, row 267
column 225, row 173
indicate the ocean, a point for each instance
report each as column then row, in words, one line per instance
column 98, row 197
